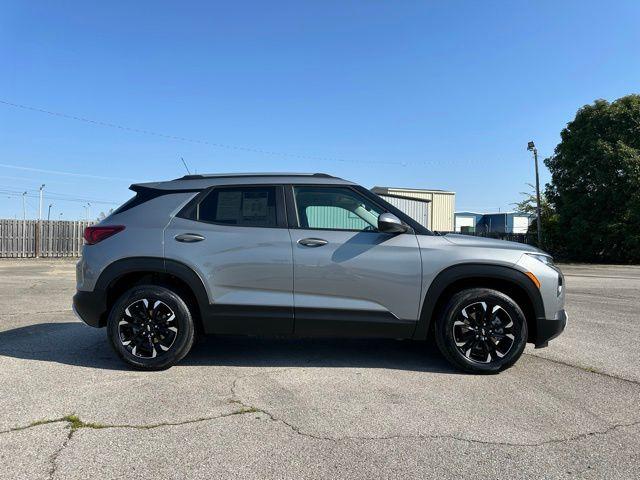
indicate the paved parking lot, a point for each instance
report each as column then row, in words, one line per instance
column 276, row 408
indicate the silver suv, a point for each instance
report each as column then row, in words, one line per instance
column 305, row 255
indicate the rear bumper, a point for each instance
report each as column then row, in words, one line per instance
column 90, row 307
column 547, row 330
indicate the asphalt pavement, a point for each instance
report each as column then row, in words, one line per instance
column 316, row 408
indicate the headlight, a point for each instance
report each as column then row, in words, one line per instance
column 546, row 259
column 560, row 284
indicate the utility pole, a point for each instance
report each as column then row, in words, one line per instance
column 39, row 225
column 532, row 148
column 24, row 224
column 40, row 210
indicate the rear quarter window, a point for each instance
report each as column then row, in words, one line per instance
column 144, row 195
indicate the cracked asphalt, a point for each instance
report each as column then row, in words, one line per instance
column 310, row 408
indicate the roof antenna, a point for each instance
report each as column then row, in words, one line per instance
column 185, row 165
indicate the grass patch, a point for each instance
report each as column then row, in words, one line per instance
column 246, row 410
column 589, row 369
column 75, row 423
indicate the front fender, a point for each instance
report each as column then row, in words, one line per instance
column 473, row 271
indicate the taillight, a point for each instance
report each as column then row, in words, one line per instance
column 93, row 235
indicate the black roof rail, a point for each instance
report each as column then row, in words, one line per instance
column 234, row 175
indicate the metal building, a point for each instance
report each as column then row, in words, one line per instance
column 432, row 208
column 467, row 222
column 505, row 222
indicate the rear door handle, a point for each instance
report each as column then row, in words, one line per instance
column 312, row 242
column 189, row 237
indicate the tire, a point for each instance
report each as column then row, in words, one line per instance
column 148, row 319
column 481, row 331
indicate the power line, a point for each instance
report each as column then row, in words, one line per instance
column 66, row 195
column 32, row 181
column 15, row 193
column 50, row 194
column 60, row 172
column 194, row 140
column 31, row 206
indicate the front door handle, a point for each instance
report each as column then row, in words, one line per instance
column 189, row 237
column 312, row 242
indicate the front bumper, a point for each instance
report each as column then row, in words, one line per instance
column 90, row 307
column 547, row 330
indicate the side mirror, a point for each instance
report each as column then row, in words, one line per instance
column 389, row 223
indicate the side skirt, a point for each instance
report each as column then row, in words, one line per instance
column 309, row 322
column 247, row 320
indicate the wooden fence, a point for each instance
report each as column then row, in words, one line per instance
column 30, row 238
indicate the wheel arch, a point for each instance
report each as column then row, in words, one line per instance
column 510, row 281
column 123, row 274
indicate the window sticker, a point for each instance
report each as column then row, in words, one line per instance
column 255, row 204
column 228, row 205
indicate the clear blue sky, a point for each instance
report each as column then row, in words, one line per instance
column 429, row 94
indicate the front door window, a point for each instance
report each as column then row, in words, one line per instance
column 335, row 208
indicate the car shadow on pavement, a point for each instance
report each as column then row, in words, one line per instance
column 73, row 343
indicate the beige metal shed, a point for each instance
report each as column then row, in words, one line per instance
column 439, row 209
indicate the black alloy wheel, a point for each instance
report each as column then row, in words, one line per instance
column 151, row 327
column 481, row 330
column 148, row 328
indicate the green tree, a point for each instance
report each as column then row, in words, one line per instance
column 528, row 202
column 595, row 182
column 549, row 218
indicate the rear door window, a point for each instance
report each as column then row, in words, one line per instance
column 240, row 206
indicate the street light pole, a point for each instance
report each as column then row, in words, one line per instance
column 532, row 148
column 40, row 210
column 24, row 224
column 49, row 212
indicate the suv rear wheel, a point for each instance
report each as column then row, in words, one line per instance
column 481, row 331
column 150, row 327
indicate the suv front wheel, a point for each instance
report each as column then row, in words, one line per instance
column 150, row 327
column 481, row 331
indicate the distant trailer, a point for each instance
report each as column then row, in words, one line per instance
column 504, row 222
